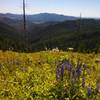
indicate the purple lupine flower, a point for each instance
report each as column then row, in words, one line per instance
column 78, row 71
column 97, row 85
column 68, row 65
column 83, row 82
column 62, row 71
column 89, row 91
column 58, row 73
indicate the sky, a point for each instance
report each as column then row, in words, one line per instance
column 88, row 8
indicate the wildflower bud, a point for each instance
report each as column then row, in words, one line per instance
column 62, row 71
column 58, row 73
column 97, row 86
column 78, row 71
column 68, row 65
column 83, row 82
column 89, row 91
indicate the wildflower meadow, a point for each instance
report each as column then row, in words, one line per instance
column 49, row 75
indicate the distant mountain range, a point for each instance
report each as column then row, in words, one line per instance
column 39, row 18
column 49, row 30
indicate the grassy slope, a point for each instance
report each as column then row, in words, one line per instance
column 24, row 76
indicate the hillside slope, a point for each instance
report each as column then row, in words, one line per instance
column 84, row 35
column 81, row 35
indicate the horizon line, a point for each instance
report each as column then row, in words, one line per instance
column 48, row 13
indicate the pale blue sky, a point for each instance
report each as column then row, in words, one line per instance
column 88, row 8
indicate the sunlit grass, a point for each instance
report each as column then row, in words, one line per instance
column 32, row 76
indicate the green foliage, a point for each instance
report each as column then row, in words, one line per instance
column 32, row 76
column 62, row 35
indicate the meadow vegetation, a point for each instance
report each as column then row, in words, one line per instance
column 49, row 75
